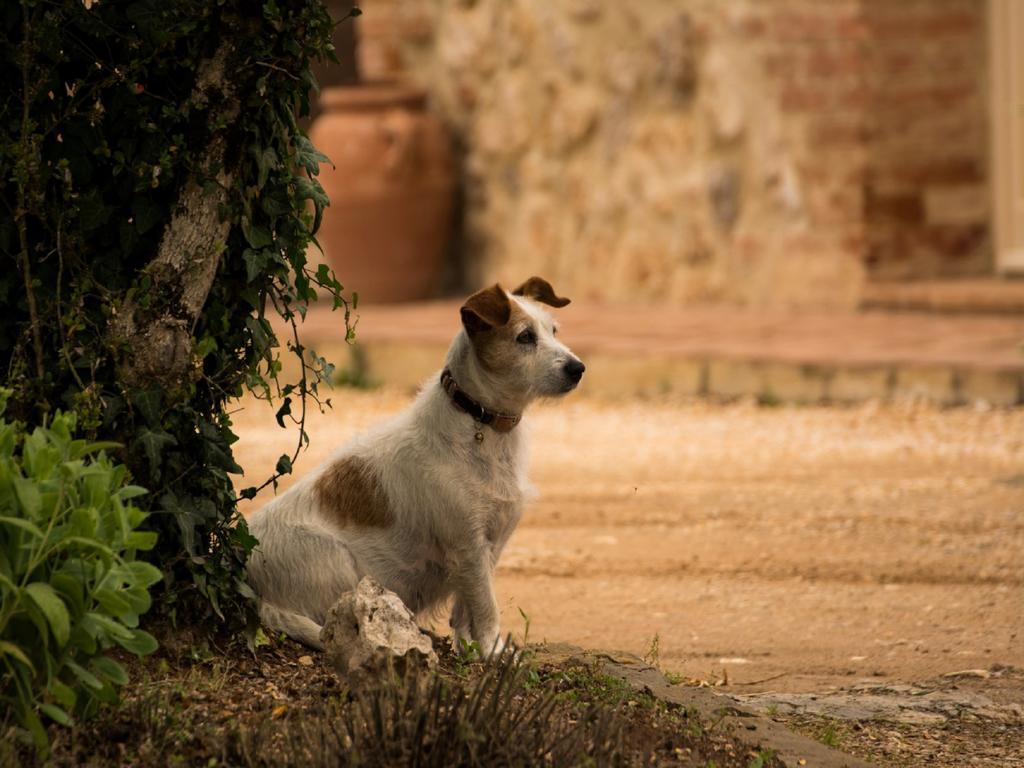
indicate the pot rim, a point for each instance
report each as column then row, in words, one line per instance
column 372, row 95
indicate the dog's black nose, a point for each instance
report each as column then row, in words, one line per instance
column 574, row 370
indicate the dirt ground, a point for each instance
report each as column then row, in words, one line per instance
column 767, row 550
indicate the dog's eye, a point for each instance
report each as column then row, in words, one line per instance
column 527, row 337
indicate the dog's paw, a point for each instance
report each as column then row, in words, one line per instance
column 497, row 646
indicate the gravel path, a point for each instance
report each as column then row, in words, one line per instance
column 801, row 547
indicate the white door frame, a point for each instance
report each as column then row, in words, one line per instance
column 1006, row 158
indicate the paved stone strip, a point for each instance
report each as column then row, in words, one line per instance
column 891, row 702
column 773, row 356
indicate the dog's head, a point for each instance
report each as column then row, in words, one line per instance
column 514, row 339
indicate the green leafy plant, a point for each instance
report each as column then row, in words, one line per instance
column 70, row 585
column 468, row 653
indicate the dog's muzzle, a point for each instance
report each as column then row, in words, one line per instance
column 573, row 371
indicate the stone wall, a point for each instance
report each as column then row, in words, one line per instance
column 754, row 152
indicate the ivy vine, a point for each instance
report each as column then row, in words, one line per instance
column 105, row 128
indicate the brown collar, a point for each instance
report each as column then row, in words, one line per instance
column 499, row 422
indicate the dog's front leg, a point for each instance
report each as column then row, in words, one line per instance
column 459, row 623
column 476, row 607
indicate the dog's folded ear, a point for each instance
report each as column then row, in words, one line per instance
column 539, row 289
column 486, row 309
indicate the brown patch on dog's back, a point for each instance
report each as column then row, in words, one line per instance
column 349, row 494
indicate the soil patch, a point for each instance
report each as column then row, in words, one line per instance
column 190, row 704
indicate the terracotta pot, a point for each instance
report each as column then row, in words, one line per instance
column 392, row 188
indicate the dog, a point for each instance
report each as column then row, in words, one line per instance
column 426, row 502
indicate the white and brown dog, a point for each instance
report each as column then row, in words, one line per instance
column 426, row 502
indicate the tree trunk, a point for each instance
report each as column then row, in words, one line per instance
column 154, row 345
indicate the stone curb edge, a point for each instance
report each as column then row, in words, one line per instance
column 749, row 728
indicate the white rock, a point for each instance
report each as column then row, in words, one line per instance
column 367, row 627
column 983, row 674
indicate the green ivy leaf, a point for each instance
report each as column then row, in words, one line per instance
column 204, row 347
column 257, row 236
column 255, row 263
column 92, row 213
column 154, row 443
column 310, row 189
column 149, row 403
column 245, row 539
column 284, row 410
column 307, row 156
column 219, row 453
column 266, row 161
column 276, row 204
column 146, row 213
column 261, row 334
column 186, row 519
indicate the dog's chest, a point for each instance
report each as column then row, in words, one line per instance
column 494, row 470
column 499, row 476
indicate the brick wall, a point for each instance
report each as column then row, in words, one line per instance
column 925, row 101
column 755, row 152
